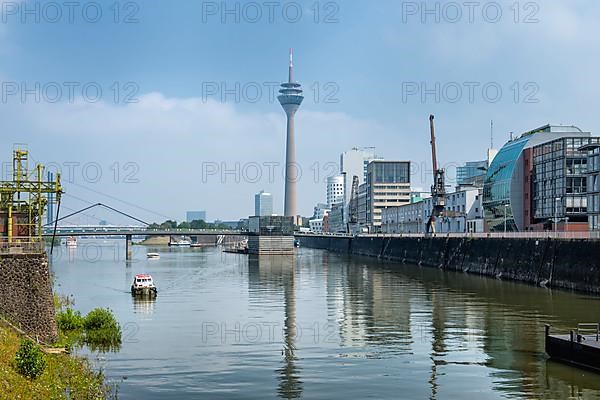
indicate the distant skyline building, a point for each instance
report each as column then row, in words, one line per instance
column 263, row 204
column 470, row 170
column 290, row 99
column 473, row 172
column 195, row 216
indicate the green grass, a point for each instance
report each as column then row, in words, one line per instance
column 63, row 372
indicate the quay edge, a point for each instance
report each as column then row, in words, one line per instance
column 572, row 264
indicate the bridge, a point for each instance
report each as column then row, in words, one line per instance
column 103, row 230
column 53, row 229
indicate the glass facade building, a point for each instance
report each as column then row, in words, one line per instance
column 560, row 181
column 500, row 177
column 537, row 179
column 263, row 204
column 470, row 170
column 195, row 216
column 593, row 186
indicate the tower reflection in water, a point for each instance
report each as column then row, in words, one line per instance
column 277, row 274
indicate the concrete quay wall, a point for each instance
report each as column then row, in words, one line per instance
column 565, row 264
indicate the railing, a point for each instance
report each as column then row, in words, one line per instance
column 589, row 329
column 22, row 245
column 501, row 235
column 489, row 235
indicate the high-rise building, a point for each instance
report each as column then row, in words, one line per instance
column 538, row 181
column 290, row 98
column 354, row 163
column 470, row 170
column 263, row 204
column 473, row 172
column 195, row 216
column 335, row 189
column 388, row 185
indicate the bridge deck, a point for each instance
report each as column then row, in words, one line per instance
column 66, row 232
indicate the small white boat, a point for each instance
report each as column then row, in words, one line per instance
column 180, row 243
column 71, row 241
column 143, row 285
column 153, row 256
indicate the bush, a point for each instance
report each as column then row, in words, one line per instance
column 102, row 329
column 29, row 359
column 100, row 318
column 69, row 320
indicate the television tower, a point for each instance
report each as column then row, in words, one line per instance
column 290, row 98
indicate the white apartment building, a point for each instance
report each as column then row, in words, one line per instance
column 464, row 212
column 404, row 219
column 316, row 225
column 335, row 189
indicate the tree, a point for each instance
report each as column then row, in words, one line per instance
column 169, row 224
column 198, row 224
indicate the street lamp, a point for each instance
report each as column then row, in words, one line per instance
column 556, row 200
column 505, row 207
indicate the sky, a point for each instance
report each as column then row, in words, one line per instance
column 157, row 108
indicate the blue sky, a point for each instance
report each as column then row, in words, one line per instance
column 366, row 63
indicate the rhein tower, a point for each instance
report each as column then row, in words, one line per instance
column 290, row 98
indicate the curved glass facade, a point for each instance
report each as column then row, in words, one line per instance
column 497, row 187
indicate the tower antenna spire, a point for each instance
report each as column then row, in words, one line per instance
column 291, row 77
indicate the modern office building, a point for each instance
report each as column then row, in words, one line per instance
column 263, row 204
column 335, row 189
column 316, row 222
column 336, row 222
column 593, row 185
column 290, row 98
column 470, row 170
column 361, row 206
column 537, row 178
column 195, row 216
column 473, row 172
column 388, row 185
column 559, row 185
column 354, row 163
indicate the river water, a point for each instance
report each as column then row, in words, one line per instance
column 321, row 326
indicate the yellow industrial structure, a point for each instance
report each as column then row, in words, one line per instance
column 23, row 199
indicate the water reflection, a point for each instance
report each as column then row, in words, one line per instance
column 386, row 330
column 143, row 304
column 280, row 272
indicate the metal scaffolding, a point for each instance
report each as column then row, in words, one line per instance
column 23, row 200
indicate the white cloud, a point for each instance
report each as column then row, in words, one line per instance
column 170, row 139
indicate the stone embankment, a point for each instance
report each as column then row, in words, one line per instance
column 26, row 298
column 566, row 264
